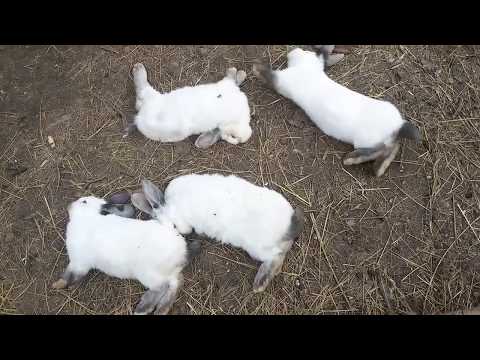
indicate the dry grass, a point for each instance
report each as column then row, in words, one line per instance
column 405, row 243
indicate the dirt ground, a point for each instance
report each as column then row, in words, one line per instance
column 405, row 243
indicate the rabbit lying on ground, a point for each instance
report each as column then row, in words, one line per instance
column 372, row 126
column 231, row 210
column 214, row 111
column 151, row 252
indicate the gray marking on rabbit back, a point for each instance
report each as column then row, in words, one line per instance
column 409, row 131
column 296, row 225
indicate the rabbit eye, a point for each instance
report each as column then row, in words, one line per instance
column 84, row 201
column 155, row 206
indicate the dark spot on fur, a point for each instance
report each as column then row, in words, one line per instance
column 104, row 212
column 219, row 96
column 214, row 214
column 84, row 201
column 155, row 206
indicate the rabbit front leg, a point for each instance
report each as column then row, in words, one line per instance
column 70, row 277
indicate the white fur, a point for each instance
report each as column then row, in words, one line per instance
column 148, row 251
column 339, row 112
column 187, row 111
column 231, row 210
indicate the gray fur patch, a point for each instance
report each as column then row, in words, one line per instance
column 322, row 52
column 193, row 249
column 151, row 299
column 265, row 73
column 409, row 131
column 383, row 162
column 359, row 156
column 122, row 210
column 208, row 138
column 141, row 203
column 296, row 225
column 153, row 194
column 130, row 129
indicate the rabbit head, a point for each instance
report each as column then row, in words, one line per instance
column 151, row 201
column 87, row 204
column 298, row 56
column 237, row 133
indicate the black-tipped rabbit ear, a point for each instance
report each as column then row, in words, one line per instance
column 207, row 139
column 153, row 194
column 409, row 131
column 140, row 202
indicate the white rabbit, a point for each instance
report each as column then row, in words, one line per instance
column 231, row 210
column 372, row 126
column 216, row 110
column 151, row 252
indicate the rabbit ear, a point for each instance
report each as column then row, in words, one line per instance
column 140, row 202
column 153, row 194
column 207, row 139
